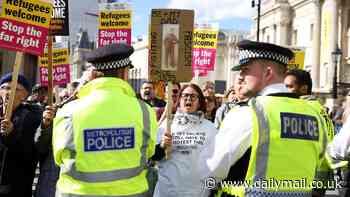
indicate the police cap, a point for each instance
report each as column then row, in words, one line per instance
column 250, row 50
column 112, row 56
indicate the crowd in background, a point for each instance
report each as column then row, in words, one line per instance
column 34, row 147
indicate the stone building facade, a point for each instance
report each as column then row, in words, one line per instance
column 318, row 27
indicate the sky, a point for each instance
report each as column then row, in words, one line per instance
column 229, row 14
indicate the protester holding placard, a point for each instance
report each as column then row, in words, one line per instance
column 49, row 172
column 20, row 160
column 190, row 133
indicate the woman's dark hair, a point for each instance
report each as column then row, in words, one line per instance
column 201, row 98
column 302, row 78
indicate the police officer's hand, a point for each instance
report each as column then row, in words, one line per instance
column 166, row 140
column 48, row 116
column 6, row 126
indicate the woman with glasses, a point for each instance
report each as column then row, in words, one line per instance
column 190, row 133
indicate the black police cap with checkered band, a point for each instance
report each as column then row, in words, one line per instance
column 112, row 56
column 250, row 50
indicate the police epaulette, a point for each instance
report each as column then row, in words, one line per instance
column 285, row 94
column 242, row 103
column 309, row 97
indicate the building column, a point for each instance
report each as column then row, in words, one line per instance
column 284, row 23
column 329, row 41
column 329, row 38
column 316, row 45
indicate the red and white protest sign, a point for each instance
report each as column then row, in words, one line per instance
column 24, row 25
column 204, row 48
column 61, row 67
column 114, row 23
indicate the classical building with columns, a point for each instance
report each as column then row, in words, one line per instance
column 316, row 26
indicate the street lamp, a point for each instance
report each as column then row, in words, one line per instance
column 336, row 57
column 258, row 19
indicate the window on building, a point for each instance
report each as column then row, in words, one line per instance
column 268, row 38
column 295, row 37
column 275, row 34
column 311, row 32
column 263, row 34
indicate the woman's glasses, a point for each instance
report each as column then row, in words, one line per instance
column 191, row 96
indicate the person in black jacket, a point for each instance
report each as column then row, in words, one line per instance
column 17, row 137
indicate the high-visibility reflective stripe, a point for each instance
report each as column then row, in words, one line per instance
column 68, row 140
column 59, row 194
column 253, row 192
column 113, row 175
column 324, row 140
column 263, row 143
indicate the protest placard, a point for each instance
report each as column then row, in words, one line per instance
column 60, row 62
column 171, row 45
column 59, row 25
column 298, row 61
column 204, row 46
column 114, row 23
column 24, row 25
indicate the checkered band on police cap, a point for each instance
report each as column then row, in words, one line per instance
column 246, row 55
column 112, row 56
column 113, row 64
column 250, row 50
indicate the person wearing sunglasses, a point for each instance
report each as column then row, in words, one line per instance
column 190, row 133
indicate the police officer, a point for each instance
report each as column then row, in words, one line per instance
column 103, row 139
column 276, row 137
column 299, row 82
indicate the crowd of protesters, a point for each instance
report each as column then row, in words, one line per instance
column 196, row 111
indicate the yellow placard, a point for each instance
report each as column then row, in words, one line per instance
column 115, row 19
column 204, row 38
column 31, row 12
column 59, row 57
column 298, row 61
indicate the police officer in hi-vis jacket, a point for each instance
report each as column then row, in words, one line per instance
column 102, row 140
column 276, row 137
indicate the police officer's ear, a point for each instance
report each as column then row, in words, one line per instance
column 268, row 70
column 303, row 89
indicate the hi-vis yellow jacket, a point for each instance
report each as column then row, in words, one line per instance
column 102, row 141
column 288, row 143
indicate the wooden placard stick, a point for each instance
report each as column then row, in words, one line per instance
column 50, row 71
column 169, row 115
column 56, row 94
column 9, row 106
